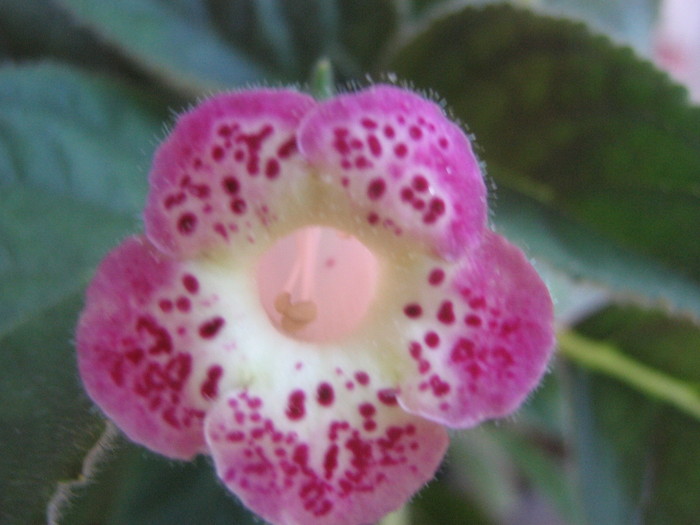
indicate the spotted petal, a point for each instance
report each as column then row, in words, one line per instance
column 407, row 168
column 228, row 172
column 480, row 336
column 150, row 345
column 330, row 456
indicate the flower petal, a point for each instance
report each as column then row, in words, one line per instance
column 220, row 174
column 480, row 337
column 150, row 343
column 403, row 163
column 329, row 456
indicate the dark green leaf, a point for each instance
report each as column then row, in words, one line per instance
column 573, row 121
column 289, row 37
column 74, row 151
column 40, row 28
column 584, row 254
column 366, row 27
column 541, row 462
column 174, row 39
column 46, row 424
column 443, row 502
column 638, row 458
column 137, row 487
column 629, row 21
column 72, row 179
column 520, row 467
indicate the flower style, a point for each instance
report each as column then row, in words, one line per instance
column 316, row 298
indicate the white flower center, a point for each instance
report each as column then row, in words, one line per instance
column 317, row 284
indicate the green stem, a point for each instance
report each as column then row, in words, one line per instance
column 322, row 80
column 606, row 358
column 399, row 517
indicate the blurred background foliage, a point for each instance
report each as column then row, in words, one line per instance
column 594, row 157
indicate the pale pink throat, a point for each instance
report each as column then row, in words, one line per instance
column 317, row 284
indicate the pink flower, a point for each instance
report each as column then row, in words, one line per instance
column 677, row 45
column 316, row 297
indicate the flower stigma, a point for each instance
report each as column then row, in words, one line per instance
column 317, row 284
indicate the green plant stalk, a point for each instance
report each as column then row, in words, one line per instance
column 322, row 82
column 607, row 359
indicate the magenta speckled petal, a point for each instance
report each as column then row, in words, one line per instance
column 481, row 337
column 327, row 457
column 148, row 344
column 218, row 175
column 403, row 163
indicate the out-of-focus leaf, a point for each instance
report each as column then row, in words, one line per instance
column 629, row 21
column 290, row 36
column 72, row 179
column 444, row 501
column 40, row 28
column 137, row 487
column 173, row 39
column 546, row 474
column 626, row 21
column 46, row 425
column 573, row 122
column 517, row 469
column 74, row 152
column 583, row 254
column 366, row 26
column 637, row 457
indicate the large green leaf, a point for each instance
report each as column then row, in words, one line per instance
column 36, row 28
column 175, row 39
column 46, row 424
column 574, row 122
column 205, row 44
column 638, row 459
column 74, row 151
column 628, row 21
column 136, row 487
column 583, row 254
column 73, row 157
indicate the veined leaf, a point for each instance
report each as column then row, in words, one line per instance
column 587, row 130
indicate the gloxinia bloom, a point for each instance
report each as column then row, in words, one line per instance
column 316, row 298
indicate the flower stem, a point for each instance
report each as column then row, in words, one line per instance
column 606, row 358
column 398, row 517
column 322, row 80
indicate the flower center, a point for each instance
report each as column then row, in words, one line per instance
column 317, row 283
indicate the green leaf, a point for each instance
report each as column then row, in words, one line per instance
column 572, row 121
column 444, row 502
column 36, row 28
column 46, row 425
column 630, row 21
column 203, row 45
column 138, row 487
column 542, row 468
column 637, row 457
column 173, row 39
column 513, row 464
column 73, row 157
column 366, row 29
column 582, row 253
column 290, row 36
